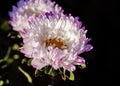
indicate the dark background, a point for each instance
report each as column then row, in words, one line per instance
column 101, row 18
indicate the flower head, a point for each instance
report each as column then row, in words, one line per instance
column 27, row 8
column 56, row 41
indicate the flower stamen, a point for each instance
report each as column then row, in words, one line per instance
column 56, row 43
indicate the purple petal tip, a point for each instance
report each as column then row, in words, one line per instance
column 88, row 47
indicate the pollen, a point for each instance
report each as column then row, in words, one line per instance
column 57, row 43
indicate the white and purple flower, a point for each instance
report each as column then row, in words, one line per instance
column 55, row 41
column 50, row 38
column 26, row 8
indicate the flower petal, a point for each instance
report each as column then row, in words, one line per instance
column 38, row 64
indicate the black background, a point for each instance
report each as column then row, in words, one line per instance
column 101, row 18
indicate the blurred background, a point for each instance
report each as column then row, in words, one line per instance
column 101, row 19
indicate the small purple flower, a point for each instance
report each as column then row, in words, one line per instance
column 56, row 41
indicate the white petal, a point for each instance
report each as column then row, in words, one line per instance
column 36, row 63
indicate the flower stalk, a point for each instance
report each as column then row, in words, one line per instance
column 53, row 80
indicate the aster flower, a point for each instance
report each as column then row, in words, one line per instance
column 55, row 41
column 26, row 8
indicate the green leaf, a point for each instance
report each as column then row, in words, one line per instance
column 71, row 77
column 7, row 54
column 24, row 60
column 39, row 73
column 29, row 62
column 50, row 71
column 47, row 69
column 83, row 66
column 26, row 74
column 64, row 71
